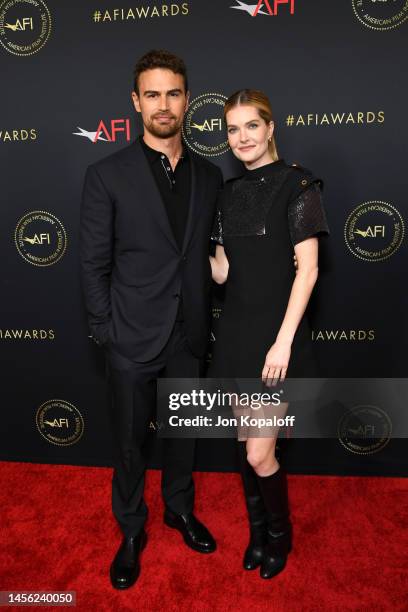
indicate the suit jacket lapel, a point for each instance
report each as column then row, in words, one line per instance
column 140, row 174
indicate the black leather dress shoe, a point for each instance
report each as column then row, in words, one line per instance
column 195, row 534
column 125, row 567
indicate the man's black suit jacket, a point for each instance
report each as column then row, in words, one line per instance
column 132, row 269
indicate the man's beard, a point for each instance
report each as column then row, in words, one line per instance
column 164, row 131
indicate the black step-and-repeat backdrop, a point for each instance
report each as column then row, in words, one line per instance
column 336, row 77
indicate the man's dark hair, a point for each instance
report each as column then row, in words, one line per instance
column 159, row 58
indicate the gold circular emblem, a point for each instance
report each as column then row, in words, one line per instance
column 59, row 422
column 364, row 430
column 40, row 238
column 25, row 26
column 381, row 14
column 204, row 127
column 374, row 231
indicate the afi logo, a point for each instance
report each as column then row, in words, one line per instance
column 208, row 126
column 372, row 231
column 57, row 423
column 38, row 239
column 263, row 7
column 366, row 431
column 21, row 24
column 107, row 132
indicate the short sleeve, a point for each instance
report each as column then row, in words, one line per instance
column 216, row 232
column 306, row 215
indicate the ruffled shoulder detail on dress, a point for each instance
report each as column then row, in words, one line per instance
column 301, row 178
column 306, row 213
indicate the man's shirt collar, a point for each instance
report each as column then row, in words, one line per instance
column 155, row 156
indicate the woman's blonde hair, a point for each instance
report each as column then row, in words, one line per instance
column 256, row 98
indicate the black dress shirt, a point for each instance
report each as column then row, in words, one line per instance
column 175, row 188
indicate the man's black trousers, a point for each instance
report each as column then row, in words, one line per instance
column 133, row 407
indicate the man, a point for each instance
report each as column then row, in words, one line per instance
column 146, row 218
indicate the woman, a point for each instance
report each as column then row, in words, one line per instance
column 264, row 216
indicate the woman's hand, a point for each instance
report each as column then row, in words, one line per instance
column 219, row 265
column 276, row 363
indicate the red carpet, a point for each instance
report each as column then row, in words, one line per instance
column 349, row 553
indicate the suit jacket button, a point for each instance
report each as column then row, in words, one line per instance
column 176, row 296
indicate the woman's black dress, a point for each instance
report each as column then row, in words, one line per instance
column 261, row 216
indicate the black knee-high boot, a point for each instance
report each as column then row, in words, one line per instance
column 256, row 512
column 274, row 491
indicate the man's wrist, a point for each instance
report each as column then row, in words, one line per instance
column 100, row 334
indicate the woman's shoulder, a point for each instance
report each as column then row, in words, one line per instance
column 300, row 178
column 297, row 177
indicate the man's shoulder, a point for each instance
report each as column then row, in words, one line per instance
column 206, row 164
column 118, row 157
